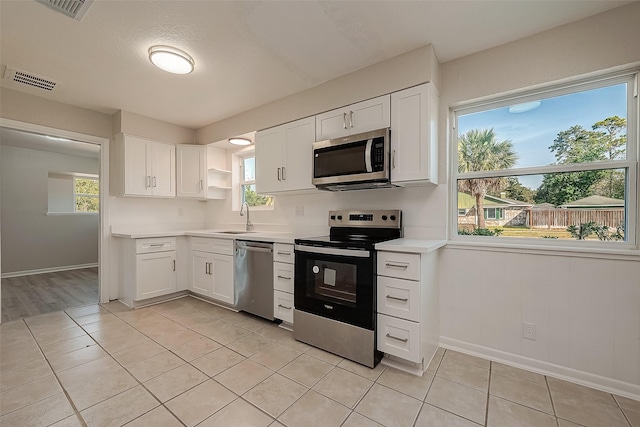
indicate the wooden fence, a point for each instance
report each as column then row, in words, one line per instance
column 562, row 218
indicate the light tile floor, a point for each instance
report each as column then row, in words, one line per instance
column 188, row 363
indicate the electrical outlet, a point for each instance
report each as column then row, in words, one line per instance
column 180, row 212
column 299, row 210
column 529, row 331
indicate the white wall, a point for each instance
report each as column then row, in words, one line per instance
column 31, row 239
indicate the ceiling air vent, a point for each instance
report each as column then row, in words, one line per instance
column 29, row 79
column 73, row 8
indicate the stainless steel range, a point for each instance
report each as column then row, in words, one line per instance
column 335, row 283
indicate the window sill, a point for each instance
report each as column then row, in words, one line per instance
column 628, row 253
column 70, row 213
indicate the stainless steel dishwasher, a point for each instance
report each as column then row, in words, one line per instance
column 254, row 277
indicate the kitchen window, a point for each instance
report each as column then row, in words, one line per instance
column 248, row 183
column 556, row 166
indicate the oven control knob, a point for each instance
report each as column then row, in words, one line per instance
column 384, row 217
column 340, row 217
column 333, row 217
column 393, row 217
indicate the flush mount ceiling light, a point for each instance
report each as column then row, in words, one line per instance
column 524, row 107
column 170, row 59
column 239, row 141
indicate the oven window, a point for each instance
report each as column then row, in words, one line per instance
column 344, row 159
column 335, row 282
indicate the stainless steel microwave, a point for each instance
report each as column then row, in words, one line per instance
column 353, row 162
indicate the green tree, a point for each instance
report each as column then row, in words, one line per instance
column 254, row 199
column 479, row 150
column 87, row 191
column 515, row 190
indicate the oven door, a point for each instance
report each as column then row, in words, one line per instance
column 338, row 284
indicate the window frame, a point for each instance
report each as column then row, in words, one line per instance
column 629, row 164
column 241, row 157
column 93, row 196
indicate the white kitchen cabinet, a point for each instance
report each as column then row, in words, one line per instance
column 414, row 136
column 407, row 309
column 361, row 117
column 218, row 174
column 191, row 171
column 144, row 167
column 283, row 275
column 211, row 272
column 284, row 157
column 149, row 269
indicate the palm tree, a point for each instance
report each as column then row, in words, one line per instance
column 478, row 150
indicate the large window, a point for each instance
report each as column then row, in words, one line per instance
column 248, row 183
column 557, row 164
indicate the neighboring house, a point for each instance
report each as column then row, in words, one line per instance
column 594, row 202
column 498, row 211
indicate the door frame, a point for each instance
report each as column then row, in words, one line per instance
column 104, row 236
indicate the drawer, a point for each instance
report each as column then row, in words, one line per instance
column 155, row 244
column 283, row 306
column 399, row 298
column 283, row 277
column 215, row 246
column 283, row 252
column 400, row 265
column 399, row 338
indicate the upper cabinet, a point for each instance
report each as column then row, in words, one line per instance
column 284, row 157
column 353, row 119
column 145, row 167
column 191, row 171
column 414, row 136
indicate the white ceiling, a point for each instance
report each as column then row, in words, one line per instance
column 247, row 53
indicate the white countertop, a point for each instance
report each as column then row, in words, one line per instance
column 411, row 245
column 262, row 236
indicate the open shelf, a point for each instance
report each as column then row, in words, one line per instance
column 221, row 171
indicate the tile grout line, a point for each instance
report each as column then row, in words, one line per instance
column 486, row 413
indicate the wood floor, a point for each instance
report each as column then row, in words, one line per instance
column 28, row 296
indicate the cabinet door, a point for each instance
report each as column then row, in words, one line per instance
column 163, row 166
column 156, row 274
column 414, row 116
column 201, row 273
column 222, row 268
column 332, row 124
column 137, row 170
column 191, row 171
column 297, row 156
column 269, row 145
column 369, row 115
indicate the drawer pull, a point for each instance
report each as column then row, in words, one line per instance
column 397, row 299
column 398, row 339
column 284, row 253
column 284, row 306
column 285, row 278
column 394, row 265
column 156, row 245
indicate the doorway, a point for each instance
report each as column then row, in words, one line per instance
column 54, row 226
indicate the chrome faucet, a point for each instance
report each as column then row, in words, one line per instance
column 249, row 224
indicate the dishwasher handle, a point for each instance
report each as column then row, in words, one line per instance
column 254, row 246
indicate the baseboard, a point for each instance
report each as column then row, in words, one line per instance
column 48, row 270
column 587, row 379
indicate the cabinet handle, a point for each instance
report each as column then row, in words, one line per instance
column 201, row 185
column 351, row 119
column 279, row 175
column 398, row 339
column 283, row 277
column 156, row 245
column 154, row 181
column 284, row 178
column 397, row 299
column 284, row 306
column 344, row 120
column 174, row 265
column 148, row 183
column 284, row 253
column 393, row 159
column 206, row 268
column 393, row 265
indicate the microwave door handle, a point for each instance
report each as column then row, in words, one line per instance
column 367, row 156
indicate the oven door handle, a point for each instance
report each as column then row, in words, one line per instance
column 367, row 156
column 333, row 251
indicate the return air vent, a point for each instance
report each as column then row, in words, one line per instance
column 76, row 9
column 29, row 79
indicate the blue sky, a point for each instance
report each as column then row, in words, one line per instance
column 533, row 132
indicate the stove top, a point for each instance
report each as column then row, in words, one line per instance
column 361, row 229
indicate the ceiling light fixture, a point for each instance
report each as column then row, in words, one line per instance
column 170, row 59
column 239, row 141
column 524, row 107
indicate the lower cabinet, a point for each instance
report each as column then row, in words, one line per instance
column 148, row 269
column 283, row 258
column 212, row 273
column 283, row 306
